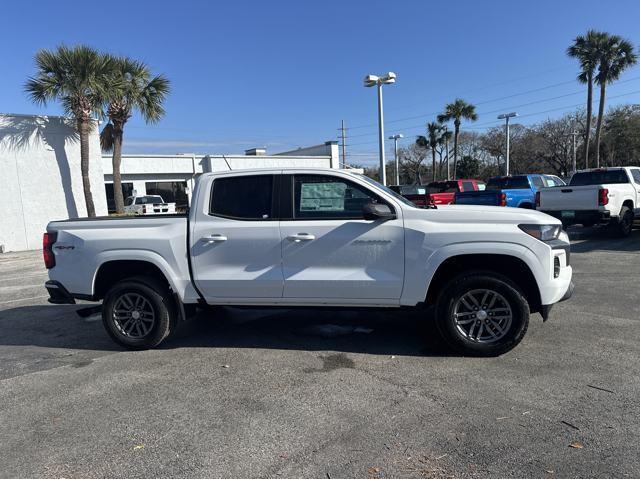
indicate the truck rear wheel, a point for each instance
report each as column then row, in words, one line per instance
column 139, row 313
column 622, row 226
column 482, row 314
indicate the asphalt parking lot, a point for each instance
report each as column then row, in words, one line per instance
column 303, row 394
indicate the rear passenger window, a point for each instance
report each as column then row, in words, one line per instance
column 467, row 186
column 243, row 197
column 537, row 182
column 636, row 176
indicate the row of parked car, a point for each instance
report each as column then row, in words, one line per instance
column 591, row 197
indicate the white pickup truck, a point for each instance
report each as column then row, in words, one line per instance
column 148, row 205
column 597, row 196
column 314, row 238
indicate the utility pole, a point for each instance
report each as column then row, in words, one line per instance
column 343, row 135
column 505, row 117
column 395, row 139
column 574, row 166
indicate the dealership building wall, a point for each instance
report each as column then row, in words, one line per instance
column 40, row 179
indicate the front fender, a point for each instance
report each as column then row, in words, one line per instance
column 423, row 271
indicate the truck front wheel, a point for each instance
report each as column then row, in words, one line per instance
column 138, row 313
column 482, row 314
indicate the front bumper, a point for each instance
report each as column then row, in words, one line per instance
column 58, row 294
column 545, row 310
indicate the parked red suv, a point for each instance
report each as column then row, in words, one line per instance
column 437, row 192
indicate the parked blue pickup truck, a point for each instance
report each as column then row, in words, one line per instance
column 518, row 191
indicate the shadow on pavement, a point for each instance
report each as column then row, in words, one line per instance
column 408, row 333
column 584, row 240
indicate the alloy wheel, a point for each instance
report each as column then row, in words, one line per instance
column 482, row 316
column 133, row 315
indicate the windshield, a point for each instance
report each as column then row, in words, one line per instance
column 508, row 183
column 387, row 190
column 598, row 177
column 143, row 200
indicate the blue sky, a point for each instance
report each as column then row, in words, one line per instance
column 282, row 74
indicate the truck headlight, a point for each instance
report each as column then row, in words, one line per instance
column 542, row 232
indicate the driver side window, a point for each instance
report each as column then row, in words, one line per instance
column 329, row 197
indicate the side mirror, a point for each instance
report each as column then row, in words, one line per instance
column 377, row 211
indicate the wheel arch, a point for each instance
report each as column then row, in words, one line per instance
column 512, row 267
column 112, row 271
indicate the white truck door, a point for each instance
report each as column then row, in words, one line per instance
column 329, row 251
column 235, row 243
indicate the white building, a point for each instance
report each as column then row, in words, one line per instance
column 40, row 178
column 172, row 176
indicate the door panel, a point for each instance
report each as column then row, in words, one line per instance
column 330, row 252
column 355, row 259
column 238, row 256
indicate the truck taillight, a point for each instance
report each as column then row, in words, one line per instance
column 503, row 200
column 537, row 198
column 47, row 249
column 603, row 196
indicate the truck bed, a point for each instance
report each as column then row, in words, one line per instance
column 92, row 241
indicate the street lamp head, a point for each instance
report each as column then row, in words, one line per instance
column 386, row 79
column 371, row 80
column 507, row 115
column 389, row 78
column 396, row 136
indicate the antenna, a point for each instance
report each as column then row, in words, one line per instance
column 228, row 165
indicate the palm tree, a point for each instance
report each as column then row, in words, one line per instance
column 586, row 48
column 138, row 90
column 432, row 140
column 75, row 76
column 616, row 55
column 457, row 111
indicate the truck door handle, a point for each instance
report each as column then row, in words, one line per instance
column 301, row 237
column 215, row 239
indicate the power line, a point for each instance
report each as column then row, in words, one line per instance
column 543, row 100
column 520, row 116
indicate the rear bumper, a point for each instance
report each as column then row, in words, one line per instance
column 573, row 217
column 58, row 294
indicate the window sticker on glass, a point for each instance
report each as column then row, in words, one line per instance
column 322, row 196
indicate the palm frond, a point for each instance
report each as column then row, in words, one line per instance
column 106, row 138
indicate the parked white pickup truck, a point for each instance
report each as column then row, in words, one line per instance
column 148, row 205
column 314, row 238
column 596, row 196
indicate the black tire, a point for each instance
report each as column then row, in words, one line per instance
column 622, row 226
column 158, row 300
column 527, row 206
column 507, row 294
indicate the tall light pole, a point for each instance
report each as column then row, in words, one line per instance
column 395, row 139
column 505, row 117
column 374, row 80
column 446, row 142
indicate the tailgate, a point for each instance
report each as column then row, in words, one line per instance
column 571, row 198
